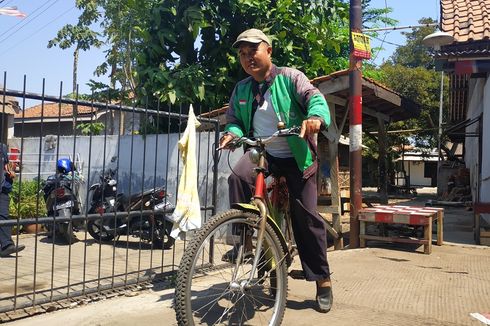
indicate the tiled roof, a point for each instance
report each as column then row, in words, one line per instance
column 52, row 110
column 11, row 105
column 466, row 20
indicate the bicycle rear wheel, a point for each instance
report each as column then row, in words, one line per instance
column 215, row 292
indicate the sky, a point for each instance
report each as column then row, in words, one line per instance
column 408, row 13
column 23, row 42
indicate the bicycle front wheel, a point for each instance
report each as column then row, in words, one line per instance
column 215, row 281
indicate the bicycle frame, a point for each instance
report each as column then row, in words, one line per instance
column 252, row 281
column 263, row 204
column 259, row 201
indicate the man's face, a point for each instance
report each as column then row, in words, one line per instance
column 255, row 59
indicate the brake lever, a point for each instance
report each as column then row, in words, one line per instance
column 231, row 145
column 293, row 131
column 296, row 130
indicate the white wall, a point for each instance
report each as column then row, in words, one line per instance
column 10, row 124
column 485, row 168
column 479, row 102
column 417, row 174
column 136, row 157
column 475, row 108
column 415, row 169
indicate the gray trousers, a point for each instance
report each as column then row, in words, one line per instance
column 5, row 231
column 309, row 227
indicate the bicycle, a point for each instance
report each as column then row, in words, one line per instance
column 251, row 289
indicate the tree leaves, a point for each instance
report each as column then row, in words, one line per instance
column 179, row 51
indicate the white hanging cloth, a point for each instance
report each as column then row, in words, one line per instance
column 187, row 213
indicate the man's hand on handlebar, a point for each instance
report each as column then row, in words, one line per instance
column 230, row 141
column 310, row 126
column 225, row 140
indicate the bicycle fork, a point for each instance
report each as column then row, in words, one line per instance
column 246, row 284
column 260, row 237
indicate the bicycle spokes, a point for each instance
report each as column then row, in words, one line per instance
column 232, row 292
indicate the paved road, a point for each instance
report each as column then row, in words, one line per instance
column 69, row 269
column 391, row 285
column 380, row 285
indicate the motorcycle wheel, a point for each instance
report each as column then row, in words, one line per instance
column 65, row 230
column 165, row 241
column 95, row 229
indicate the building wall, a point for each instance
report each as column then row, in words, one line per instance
column 485, row 169
column 479, row 103
column 415, row 169
column 10, row 126
column 143, row 162
column 417, row 174
column 472, row 146
column 34, row 129
column 6, row 126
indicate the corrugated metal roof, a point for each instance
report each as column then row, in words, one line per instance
column 475, row 49
column 417, row 158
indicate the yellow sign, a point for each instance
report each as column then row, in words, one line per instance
column 362, row 47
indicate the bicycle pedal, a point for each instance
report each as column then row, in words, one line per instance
column 297, row 274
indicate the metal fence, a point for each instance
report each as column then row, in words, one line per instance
column 47, row 128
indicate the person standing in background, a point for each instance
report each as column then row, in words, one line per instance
column 7, row 245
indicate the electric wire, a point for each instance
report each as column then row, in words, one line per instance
column 35, row 33
column 24, row 20
column 384, row 37
column 29, row 21
column 387, row 42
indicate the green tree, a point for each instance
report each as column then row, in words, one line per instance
column 80, row 36
column 179, row 51
column 415, row 54
column 188, row 55
column 91, row 128
column 423, row 87
column 410, row 72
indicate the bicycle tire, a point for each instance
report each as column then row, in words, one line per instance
column 221, row 287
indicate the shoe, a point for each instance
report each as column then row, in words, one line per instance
column 324, row 299
column 11, row 249
column 231, row 255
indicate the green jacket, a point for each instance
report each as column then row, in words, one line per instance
column 294, row 99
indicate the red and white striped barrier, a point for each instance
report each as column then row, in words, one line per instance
column 410, row 215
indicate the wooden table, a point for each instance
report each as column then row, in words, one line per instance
column 409, row 215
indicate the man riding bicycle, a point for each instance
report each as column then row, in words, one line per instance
column 280, row 95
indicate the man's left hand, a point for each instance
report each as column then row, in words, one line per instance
column 309, row 127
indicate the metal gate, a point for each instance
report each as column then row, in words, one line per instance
column 140, row 144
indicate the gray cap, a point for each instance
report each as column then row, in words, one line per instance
column 252, row 35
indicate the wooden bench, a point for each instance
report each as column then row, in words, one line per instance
column 409, row 215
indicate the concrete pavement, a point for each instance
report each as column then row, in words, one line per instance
column 384, row 284
column 388, row 285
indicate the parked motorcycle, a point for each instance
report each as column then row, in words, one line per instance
column 105, row 199
column 61, row 195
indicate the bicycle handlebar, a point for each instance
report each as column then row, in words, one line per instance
column 256, row 141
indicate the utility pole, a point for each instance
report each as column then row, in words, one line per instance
column 355, row 126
